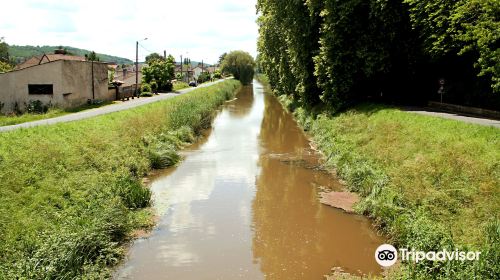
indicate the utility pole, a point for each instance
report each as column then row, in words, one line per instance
column 93, row 86
column 136, row 93
column 182, row 62
column 165, row 54
column 136, row 67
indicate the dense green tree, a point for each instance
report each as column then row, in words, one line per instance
column 204, row 77
column 4, row 51
column 272, row 52
column 221, row 57
column 92, row 56
column 241, row 65
column 461, row 27
column 160, row 71
column 361, row 44
column 338, row 52
column 298, row 44
column 153, row 56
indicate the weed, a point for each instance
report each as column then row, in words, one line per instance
column 429, row 183
column 71, row 193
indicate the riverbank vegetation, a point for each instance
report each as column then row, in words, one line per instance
column 336, row 53
column 159, row 73
column 240, row 64
column 178, row 85
column 36, row 111
column 428, row 183
column 71, row 193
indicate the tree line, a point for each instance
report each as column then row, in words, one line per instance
column 336, row 53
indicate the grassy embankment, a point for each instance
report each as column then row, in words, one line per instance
column 179, row 86
column 429, row 183
column 51, row 113
column 71, row 193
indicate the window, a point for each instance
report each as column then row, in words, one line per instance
column 40, row 89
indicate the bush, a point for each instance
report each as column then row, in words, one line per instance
column 204, row 77
column 167, row 87
column 146, row 94
column 36, row 107
column 154, row 86
column 179, row 85
column 145, row 88
column 217, row 74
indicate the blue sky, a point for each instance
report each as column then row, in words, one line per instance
column 200, row 29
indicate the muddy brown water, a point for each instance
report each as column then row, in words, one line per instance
column 244, row 205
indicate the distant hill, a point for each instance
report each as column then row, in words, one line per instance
column 20, row 53
column 195, row 63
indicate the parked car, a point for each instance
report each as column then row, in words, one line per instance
column 192, row 84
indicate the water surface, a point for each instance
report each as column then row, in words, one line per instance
column 244, row 205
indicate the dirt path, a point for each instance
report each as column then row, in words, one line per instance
column 102, row 110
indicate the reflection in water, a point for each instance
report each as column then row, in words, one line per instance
column 243, row 105
column 243, row 206
column 295, row 236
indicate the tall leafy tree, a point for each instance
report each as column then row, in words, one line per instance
column 241, row 65
column 4, row 51
column 160, row 71
column 221, row 57
column 362, row 44
column 92, row 56
column 153, row 56
column 461, row 27
column 298, row 44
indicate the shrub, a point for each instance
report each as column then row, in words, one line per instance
column 36, row 107
column 154, row 86
column 146, row 94
column 179, row 85
column 204, row 77
column 145, row 87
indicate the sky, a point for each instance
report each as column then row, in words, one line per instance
column 198, row 29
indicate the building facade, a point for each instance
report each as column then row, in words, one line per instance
column 61, row 83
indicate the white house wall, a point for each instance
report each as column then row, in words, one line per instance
column 71, row 80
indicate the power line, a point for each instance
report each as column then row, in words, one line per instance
column 146, row 49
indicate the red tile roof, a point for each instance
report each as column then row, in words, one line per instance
column 47, row 58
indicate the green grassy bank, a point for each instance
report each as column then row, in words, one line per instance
column 51, row 113
column 71, row 193
column 428, row 183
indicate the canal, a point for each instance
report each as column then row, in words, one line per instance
column 244, row 205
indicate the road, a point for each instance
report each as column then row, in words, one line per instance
column 132, row 103
column 453, row 116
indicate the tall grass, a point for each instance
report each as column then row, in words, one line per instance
column 179, row 85
column 71, row 193
column 51, row 113
column 428, row 183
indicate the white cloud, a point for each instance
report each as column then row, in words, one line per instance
column 202, row 29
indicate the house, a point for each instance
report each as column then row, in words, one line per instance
column 65, row 83
column 127, row 76
column 46, row 58
column 197, row 71
column 211, row 69
column 187, row 72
